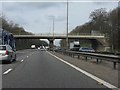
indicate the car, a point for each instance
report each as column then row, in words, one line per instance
column 86, row 49
column 7, row 54
column 38, row 47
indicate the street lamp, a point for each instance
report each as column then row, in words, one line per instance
column 67, row 28
column 53, row 31
column 53, row 24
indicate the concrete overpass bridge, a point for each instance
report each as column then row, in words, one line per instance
column 98, row 40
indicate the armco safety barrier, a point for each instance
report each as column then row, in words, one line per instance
column 99, row 57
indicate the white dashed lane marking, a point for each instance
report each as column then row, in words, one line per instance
column 22, row 60
column 6, row 72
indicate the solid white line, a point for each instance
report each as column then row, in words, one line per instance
column 86, row 73
column 6, row 72
column 22, row 60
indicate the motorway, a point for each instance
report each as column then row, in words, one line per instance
column 39, row 69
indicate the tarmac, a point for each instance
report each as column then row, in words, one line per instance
column 103, row 70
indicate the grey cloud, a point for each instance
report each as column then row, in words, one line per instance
column 11, row 6
column 41, row 5
column 98, row 2
column 21, row 20
column 17, row 6
column 37, row 20
column 101, row 3
column 57, row 18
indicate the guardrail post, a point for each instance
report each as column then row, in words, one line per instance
column 85, row 58
column 97, row 60
column 78, row 56
column 73, row 55
column 114, row 63
column 69, row 54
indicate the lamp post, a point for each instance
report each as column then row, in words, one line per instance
column 67, row 28
column 53, row 31
column 53, row 24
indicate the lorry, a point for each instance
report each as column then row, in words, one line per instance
column 7, row 38
column 74, row 46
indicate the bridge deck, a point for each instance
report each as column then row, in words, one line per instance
column 57, row 36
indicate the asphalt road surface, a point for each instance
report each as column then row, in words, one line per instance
column 39, row 69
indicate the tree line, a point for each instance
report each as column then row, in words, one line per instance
column 15, row 29
column 106, row 23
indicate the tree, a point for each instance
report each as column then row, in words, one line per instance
column 99, row 18
column 15, row 29
column 107, row 23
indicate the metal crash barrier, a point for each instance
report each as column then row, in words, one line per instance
column 99, row 57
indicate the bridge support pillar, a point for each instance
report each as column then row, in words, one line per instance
column 51, row 44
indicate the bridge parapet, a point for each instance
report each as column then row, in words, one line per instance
column 64, row 34
column 58, row 36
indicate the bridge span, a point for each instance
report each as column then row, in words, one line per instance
column 97, row 41
column 59, row 36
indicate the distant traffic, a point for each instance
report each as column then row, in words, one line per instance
column 74, row 46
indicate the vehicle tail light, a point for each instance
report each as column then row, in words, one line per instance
column 6, row 52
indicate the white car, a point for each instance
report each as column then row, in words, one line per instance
column 7, row 54
column 86, row 49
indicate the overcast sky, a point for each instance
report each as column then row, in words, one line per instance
column 36, row 17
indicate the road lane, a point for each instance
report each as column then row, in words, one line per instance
column 21, row 55
column 102, row 70
column 41, row 70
